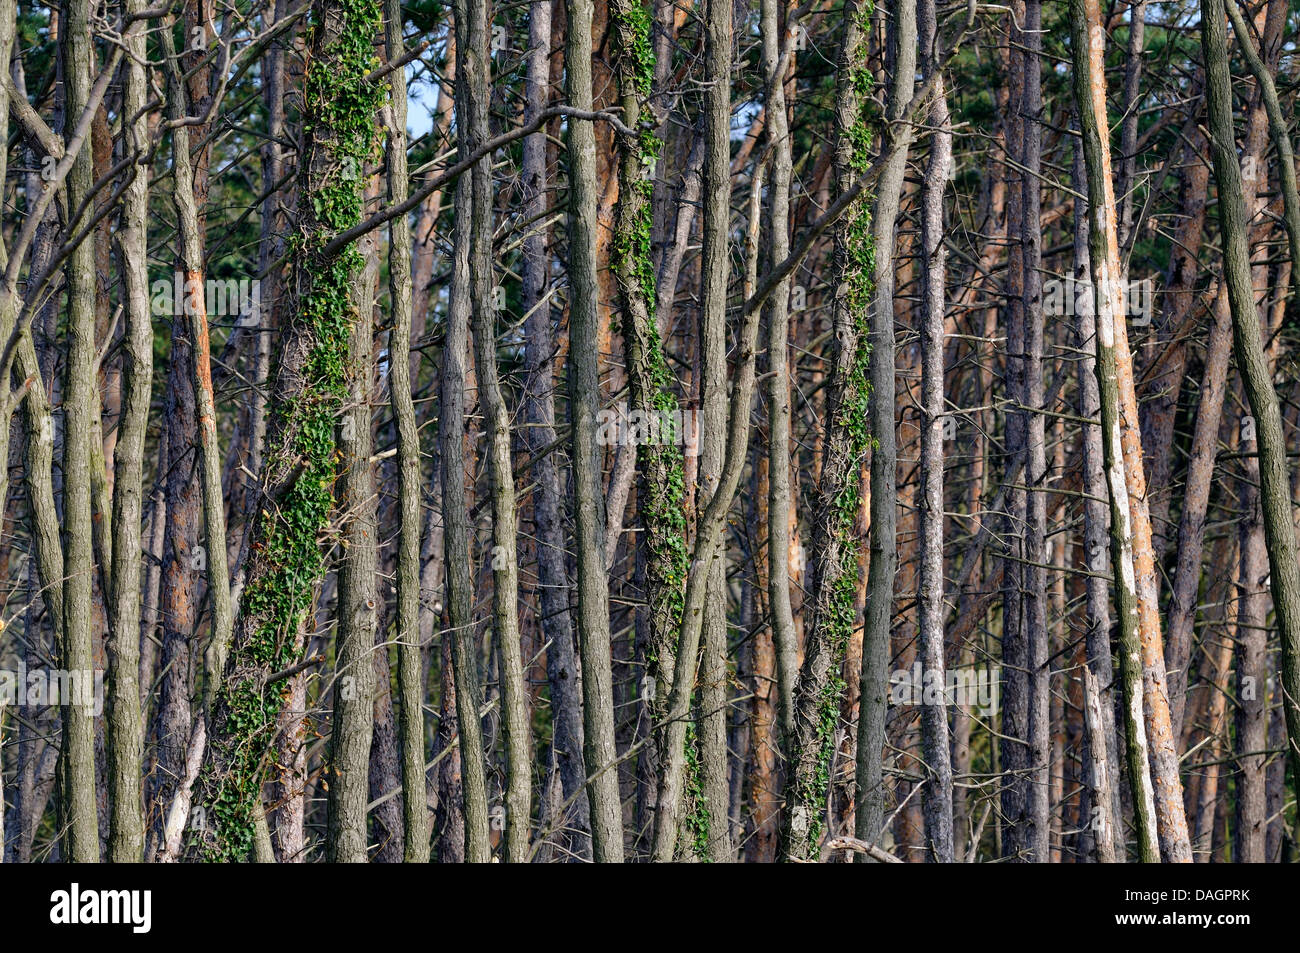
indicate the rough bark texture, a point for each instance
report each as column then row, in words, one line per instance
column 937, row 794
column 126, row 742
column 80, row 411
column 473, row 84
column 348, row 835
column 1274, row 481
column 1103, row 810
column 308, row 390
column 588, row 500
column 460, row 630
column 884, row 458
column 556, row 622
column 406, row 629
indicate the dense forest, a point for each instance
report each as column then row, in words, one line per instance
column 649, row 430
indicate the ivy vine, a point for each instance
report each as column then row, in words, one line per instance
column 341, row 105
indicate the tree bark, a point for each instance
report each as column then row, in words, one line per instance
column 1087, row 49
column 1034, row 576
column 936, row 795
column 455, row 514
column 556, row 621
column 351, row 733
column 710, row 727
column 776, row 55
column 126, row 741
column 410, row 667
column 80, row 411
column 285, row 561
column 1274, row 483
column 473, row 82
column 584, row 400
column 1104, row 815
column 884, row 457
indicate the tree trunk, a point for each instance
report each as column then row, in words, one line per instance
column 126, row 741
column 80, row 411
column 473, row 83
column 661, row 489
column 1104, row 817
column 936, row 795
column 410, row 667
column 1274, row 482
column 310, row 387
column 715, row 265
column 776, row 55
column 1087, row 48
column 884, row 457
column 455, row 514
column 347, row 836
column 584, row 401
column 556, row 621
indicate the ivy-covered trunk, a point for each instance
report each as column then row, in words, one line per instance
column 286, row 559
column 661, row 488
column 874, row 677
column 835, row 578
